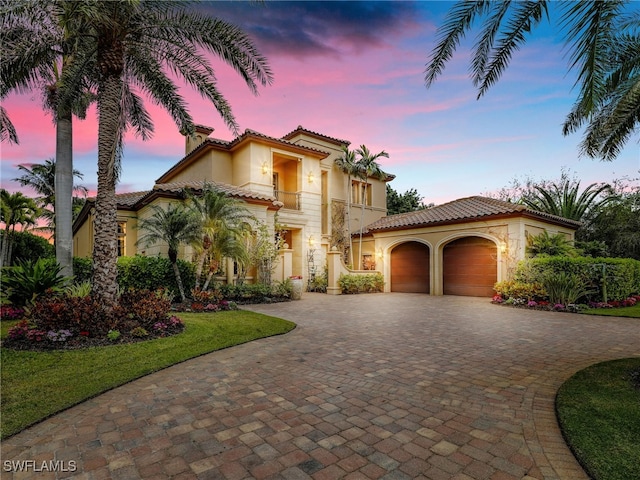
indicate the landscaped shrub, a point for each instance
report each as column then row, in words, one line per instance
column 367, row 283
column 64, row 321
column 520, row 290
column 28, row 279
column 564, row 288
column 150, row 273
column 82, row 269
column 257, row 292
column 607, row 278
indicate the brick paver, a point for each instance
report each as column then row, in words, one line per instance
column 384, row 386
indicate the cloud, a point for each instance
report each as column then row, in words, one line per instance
column 303, row 29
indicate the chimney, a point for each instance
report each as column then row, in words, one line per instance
column 193, row 141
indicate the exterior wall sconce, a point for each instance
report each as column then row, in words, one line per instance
column 503, row 247
column 312, row 241
column 265, row 168
column 379, row 254
column 311, row 177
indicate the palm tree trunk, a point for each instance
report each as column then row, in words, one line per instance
column 176, row 272
column 349, row 219
column 63, row 206
column 104, row 275
column 364, row 196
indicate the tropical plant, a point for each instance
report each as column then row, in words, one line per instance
column 15, row 209
column 366, row 166
column 138, row 44
column 346, row 163
column 602, row 47
column 174, row 226
column 565, row 200
column 564, row 288
column 28, row 279
column 41, row 177
column 223, row 220
column 25, row 245
column 552, row 245
column 41, row 41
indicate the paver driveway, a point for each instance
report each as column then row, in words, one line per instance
column 389, row 386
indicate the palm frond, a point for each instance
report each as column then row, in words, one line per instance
column 458, row 20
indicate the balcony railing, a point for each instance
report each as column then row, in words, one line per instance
column 291, row 200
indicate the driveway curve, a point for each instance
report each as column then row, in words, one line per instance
column 389, row 386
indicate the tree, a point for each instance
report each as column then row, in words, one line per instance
column 41, row 178
column 347, row 164
column 27, row 246
column 409, row 201
column 174, row 226
column 15, row 209
column 136, row 43
column 223, row 220
column 545, row 244
column 40, row 41
column 366, row 166
column 602, row 47
column 565, row 200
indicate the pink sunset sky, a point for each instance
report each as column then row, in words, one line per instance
column 355, row 71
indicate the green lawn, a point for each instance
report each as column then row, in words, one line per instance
column 599, row 413
column 36, row 385
column 633, row 312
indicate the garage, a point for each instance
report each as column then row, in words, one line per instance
column 410, row 268
column 470, row 267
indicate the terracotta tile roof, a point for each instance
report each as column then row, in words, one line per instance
column 301, row 129
column 176, row 187
column 126, row 200
column 464, row 209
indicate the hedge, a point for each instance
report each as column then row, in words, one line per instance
column 142, row 273
column 361, row 283
column 606, row 278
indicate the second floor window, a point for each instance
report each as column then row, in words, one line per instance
column 360, row 191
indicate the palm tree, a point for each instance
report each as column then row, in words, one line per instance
column 137, row 44
column 41, row 178
column 366, row 167
column 223, row 219
column 174, row 226
column 7, row 130
column 602, row 46
column 564, row 199
column 42, row 41
column 347, row 164
column 545, row 244
column 15, row 209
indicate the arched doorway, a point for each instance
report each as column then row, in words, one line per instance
column 470, row 267
column 410, row 268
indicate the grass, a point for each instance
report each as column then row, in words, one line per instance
column 632, row 312
column 36, row 385
column 599, row 413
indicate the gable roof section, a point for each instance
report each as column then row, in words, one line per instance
column 470, row 209
column 247, row 136
column 136, row 200
column 304, row 131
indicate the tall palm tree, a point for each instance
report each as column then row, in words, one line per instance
column 367, row 166
column 7, row 130
column 564, row 199
column 594, row 32
column 41, row 178
column 223, row 220
column 138, row 43
column 174, row 226
column 15, row 209
column 347, row 164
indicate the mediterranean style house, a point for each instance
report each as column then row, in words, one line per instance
column 458, row 248
column 293, row 177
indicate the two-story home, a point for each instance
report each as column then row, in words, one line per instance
column 292, row 180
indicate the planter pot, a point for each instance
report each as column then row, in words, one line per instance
column 296, row 290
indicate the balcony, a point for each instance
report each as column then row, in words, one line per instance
column 291, row 200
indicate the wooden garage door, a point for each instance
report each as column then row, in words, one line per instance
column 410, row 268
column 470, row 267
